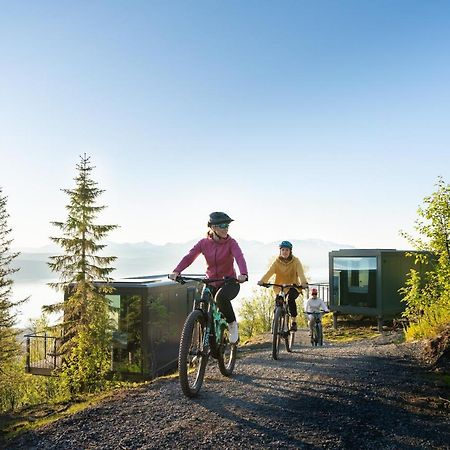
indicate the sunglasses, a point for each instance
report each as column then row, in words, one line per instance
column 224, row 226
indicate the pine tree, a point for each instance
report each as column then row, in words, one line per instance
column 8, row 335
column 83, row 277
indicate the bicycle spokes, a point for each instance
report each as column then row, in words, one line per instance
column 227, row 354
column 193, row 356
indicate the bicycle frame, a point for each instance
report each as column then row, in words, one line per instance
column 317, row 336
column 283, row 305
column 197, row 342
column 281, row 320
column 215, row 320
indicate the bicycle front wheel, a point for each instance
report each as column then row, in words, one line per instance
column 227, row 354
column 276, row 332
column 192, row 357
column 315, row 335
column 319, row 334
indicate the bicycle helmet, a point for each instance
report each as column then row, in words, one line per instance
column 285, row 244
column 313, row 291
column 217, row 218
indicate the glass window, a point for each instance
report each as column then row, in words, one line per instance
column 354, row 281
column 127, row 333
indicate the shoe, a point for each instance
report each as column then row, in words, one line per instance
column 294, row 326
column 234, row 333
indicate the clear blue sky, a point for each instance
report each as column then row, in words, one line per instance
column 301, row 119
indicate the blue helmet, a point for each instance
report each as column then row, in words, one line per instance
column 285, row 244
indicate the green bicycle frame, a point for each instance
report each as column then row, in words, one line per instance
column 219, row 323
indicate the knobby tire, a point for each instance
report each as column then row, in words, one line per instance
column 315, row 335
column 291, row 341
column 191, row 358
column 286, row 329
column 227, row 354
column 276, row 329
column 320, row 334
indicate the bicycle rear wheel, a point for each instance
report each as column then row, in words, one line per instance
column 192, row 357
column 287, row 332
column 227, row 354
column 276, row 332
column 291, row 340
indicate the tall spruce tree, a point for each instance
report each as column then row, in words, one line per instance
column 86, row 319
column 8, row 334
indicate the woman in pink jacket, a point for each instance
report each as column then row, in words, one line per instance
column 220, row 251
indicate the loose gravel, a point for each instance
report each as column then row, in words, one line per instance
column 371, row 394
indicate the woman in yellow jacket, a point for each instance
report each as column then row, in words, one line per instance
column 287, row 269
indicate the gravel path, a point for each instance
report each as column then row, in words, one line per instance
column 365, row 395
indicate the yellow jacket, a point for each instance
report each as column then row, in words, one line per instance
column 286, row 272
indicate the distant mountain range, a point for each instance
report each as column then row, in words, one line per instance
column 144, row 258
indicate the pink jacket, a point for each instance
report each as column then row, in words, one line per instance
column 219, row 255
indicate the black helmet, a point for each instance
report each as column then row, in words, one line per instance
column 217, row 218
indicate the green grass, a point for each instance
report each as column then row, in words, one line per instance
column 14, row 423
column 350, row 328
column 349, row 334
column 431, row 324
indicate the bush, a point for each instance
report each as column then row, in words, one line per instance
column 427, row 296
column 256, row 313
column 19, row 389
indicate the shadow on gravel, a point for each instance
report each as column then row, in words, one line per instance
column 269, row 426
column 371, row 415
column 348, row 401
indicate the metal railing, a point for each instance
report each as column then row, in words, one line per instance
column 42, row 353
column 323, row 291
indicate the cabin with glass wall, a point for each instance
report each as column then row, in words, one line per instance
column 148, row 315
column 367, row 282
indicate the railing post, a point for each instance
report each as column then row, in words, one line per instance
column 45, row 345
column 54, row 352
column 27, row 363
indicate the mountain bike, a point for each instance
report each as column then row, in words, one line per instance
column 317, row 330
column 205, row 333
column 281, row 324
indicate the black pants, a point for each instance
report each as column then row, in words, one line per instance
column 291, row 296
column 223, row 297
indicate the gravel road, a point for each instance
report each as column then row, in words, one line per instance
column 372, row 394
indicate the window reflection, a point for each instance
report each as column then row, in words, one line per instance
column 354, row 281
column 127, row 333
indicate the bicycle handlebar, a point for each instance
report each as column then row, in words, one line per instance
column 316, row 312
column 283, row 286
column 182, row 280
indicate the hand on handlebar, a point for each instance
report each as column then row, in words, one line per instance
column 242, row 278
column 174, row 275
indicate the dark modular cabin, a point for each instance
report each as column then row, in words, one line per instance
column 149, row 314
column 367, row 282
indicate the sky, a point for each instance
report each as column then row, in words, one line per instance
column 300, row 119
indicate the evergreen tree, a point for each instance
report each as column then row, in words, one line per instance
column 86, row 319
column 8, row 335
